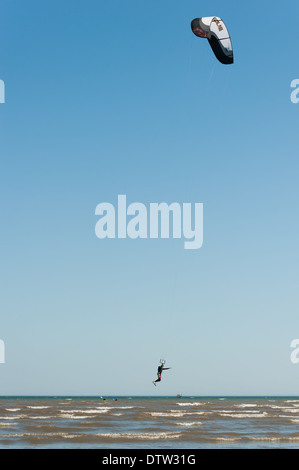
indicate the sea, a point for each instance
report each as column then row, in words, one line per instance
column 177, row 422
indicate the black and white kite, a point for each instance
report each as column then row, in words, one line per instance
column 214, row 30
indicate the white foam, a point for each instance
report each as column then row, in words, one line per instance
column 38, row 407
column 40, row 417
column 117, row 407
column 289, row 410
column 191, row 404
column 175, row 414
column 124, row 407
column 246, row 405
column 167, row 415
column 244, row 415
column 94, row 411
column 292, row 409
column 42, row 436
column 276, row 439
column 227, row 439
column 145, row 435
column 286, row 416
column 194, row 423
column 236, row 411
column 71, row 416
column 12, row 417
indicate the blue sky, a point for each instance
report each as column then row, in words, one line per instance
column 112, row 97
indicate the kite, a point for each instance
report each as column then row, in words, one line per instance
column 214, row 30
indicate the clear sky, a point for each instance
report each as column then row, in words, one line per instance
column 108, row 97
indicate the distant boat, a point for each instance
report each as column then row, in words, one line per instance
column 179, row 395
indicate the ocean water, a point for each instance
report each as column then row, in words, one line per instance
column 149, row 422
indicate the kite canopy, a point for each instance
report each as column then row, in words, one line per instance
column 216, row 32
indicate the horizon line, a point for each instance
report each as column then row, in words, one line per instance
column 150, row 396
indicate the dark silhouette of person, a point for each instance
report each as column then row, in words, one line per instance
column 159, row 372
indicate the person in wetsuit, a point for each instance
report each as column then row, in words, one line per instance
column 159, row 372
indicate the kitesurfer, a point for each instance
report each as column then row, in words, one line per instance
column 159, row 371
